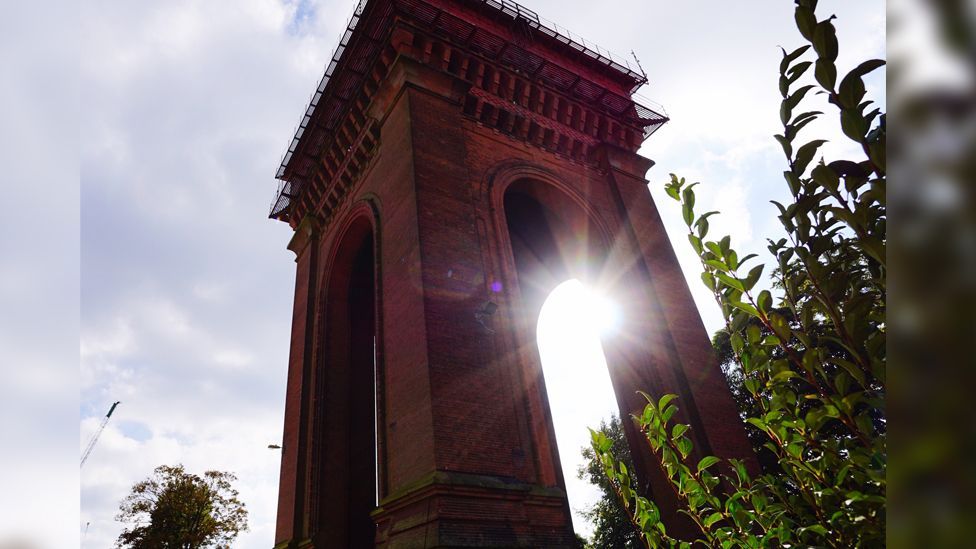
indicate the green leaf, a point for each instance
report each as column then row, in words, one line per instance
column 665, row 400
column 794, row 182
column 868, row 66
column 851, row 369
column 725, row 244
column 815, row 528
column 765, row 301
column 797, row 71
column 825, row 40
column 826, row 177
column 687, row 214
column 752, row 385
column 786, row 144
column 805, row 154
column 667, row 413
column 689, row 196
column 805, row 116
column 790, row 102
column 753, row 334
column 826, row 73
column 708, row 279
column 779, row 325
column 740, row 470
column 758, row 423
column 752, row 277
column 678, row 430
column 790, row 57
column 785, row 375
column 712, row 519
column 672, row 191
column 745, row 307
column 715, row 264
column 806, row 21
column 793, row 129
column 729, row 281
column 732, row 259
column 702, row 225
column 707, row 462
column 853, row 124
column 851, row 90
column 738, row 320
column 736, row 341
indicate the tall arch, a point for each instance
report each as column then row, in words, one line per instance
column 554, row 235
column 347, row 387
column 552, row 239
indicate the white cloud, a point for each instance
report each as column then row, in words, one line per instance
column 186, row 285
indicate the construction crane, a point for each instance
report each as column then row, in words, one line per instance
column 98, row 432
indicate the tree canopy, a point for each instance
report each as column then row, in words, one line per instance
column 173, row 509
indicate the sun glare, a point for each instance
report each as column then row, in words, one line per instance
column 572, row 320
column 574, row 308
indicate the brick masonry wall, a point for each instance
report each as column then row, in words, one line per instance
column 467, row 452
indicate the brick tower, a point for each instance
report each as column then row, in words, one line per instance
column 459, row 159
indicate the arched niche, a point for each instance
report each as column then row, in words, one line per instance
column 347, row 387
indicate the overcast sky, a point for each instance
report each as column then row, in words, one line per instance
column 186, row 287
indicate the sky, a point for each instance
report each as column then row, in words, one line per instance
column 182, row 305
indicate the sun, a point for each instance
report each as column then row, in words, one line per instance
column 573, row 308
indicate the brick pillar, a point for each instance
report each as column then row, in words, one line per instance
column 292, row 522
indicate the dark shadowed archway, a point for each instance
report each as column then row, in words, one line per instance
column 346, row 412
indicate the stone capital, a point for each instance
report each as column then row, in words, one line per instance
column 307, row 231
column 611, row 157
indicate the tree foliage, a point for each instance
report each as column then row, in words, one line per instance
column 812, row 356
column 611, row 525
column 173, row 509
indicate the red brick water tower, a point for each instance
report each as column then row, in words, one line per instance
column 459, row 159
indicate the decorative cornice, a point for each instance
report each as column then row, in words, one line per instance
column 508, row 82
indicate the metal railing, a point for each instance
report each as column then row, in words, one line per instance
column 618, row 61
column 317, row 94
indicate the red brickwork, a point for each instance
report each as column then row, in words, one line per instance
column 428, row 152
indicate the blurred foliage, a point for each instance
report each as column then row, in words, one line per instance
column 932, row 89
column 173, row 509
column 812, row 357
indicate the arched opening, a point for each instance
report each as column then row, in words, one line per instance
column 560, row 259
column 571, row 322
column 349, row 480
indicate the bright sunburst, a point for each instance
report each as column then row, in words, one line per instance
column 575, row 308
